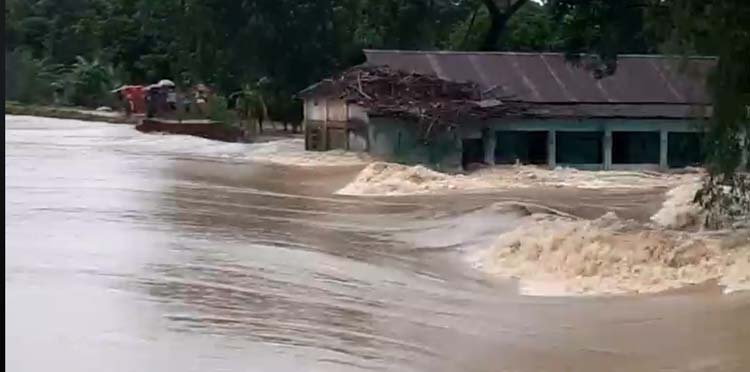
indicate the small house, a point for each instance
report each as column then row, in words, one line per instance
column 532, row 108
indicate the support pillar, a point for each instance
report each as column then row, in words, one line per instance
column 324, row 131
column 744, row 150
column 607, row 149
column 490, row 142
column 456, row 161
column 308, row 145
column 305, row 115
column 663, row 149
column 552, row 149
column 370, row 138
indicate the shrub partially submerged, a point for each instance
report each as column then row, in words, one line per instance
column 725, row 201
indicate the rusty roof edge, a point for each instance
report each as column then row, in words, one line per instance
column 628, row 103
column 448, row 52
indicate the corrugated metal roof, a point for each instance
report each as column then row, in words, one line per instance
column 619, row 110
column 549, row 78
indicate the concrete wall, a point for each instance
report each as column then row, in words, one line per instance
column 594, row 125
column 402, row 142
column 357, row 141
column 358, row 120
column 336, row 124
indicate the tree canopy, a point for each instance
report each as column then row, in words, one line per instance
column 293, row 43
column 228, row 43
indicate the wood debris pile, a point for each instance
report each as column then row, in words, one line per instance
column 427, row 99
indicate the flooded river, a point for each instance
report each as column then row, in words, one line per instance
column 134, row 252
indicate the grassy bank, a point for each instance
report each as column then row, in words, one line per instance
column 15, row 108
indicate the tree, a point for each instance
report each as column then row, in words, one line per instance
column 89, row 82
column 531, row 28
column 499, row 17
column 251, row 106
column 224, row 43
column 715, row 27
column 604, row 28
column 28, row 79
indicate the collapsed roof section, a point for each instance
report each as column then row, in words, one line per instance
column 384, row 91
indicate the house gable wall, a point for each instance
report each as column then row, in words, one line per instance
column 331, row 123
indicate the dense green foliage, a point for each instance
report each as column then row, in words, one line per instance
column 27, row 79
column 87, row 80
column 82, row 48
column 218, row 109
column 251, row 107
column 230, row 43
column 531, row 28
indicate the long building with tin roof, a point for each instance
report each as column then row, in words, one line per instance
column 648, row 114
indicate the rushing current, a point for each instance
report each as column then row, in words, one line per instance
column 135, row 252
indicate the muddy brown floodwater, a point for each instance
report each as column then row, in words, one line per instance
column 134, row 252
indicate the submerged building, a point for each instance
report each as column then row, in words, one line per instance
column 650, row 114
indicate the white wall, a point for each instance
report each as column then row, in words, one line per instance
column 336, row 110
column 315, row 109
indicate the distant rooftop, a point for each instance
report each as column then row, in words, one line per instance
column 549, row 79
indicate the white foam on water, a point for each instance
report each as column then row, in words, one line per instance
column 554, row 255
column 679, row 210
column 736, row 277
column 380, row 178
column 292, row 152
column 287, row 152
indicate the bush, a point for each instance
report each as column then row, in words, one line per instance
column 27, row 79
column 725, row 200
column 218, row 109
column 34, row 81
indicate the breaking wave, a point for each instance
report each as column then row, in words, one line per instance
column 292, row 152
column 561, row 255
column 679, row 210
column 381, row 178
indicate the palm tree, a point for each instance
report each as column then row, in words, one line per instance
column 90, row 81
column 251, row 106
